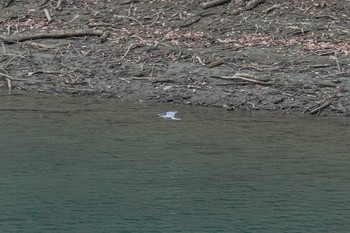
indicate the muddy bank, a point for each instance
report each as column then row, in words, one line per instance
column 280, row 56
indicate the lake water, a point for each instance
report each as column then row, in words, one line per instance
column 91, row 165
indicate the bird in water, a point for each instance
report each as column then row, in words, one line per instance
column 169, row 116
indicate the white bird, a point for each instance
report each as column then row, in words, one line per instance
column 169, row 116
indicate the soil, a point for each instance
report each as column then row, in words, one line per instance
column 289, row 56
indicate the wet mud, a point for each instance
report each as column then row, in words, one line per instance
column 280, row 56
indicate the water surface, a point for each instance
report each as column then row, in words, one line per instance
column 91, row 165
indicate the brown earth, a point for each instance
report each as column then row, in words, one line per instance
column 281, row 56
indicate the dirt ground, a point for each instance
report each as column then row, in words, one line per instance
column 289, row 56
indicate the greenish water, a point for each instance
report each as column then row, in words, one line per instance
column 89, row 165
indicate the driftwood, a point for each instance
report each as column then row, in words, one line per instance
column 53, row 35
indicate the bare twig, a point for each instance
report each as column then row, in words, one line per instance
column 128, row 2
column 132, row 18
column 59, row 5
column 337, row 61
column 43, row 3
column 216, row 63
column 152, row 70
column 198, row 58
column 252, row 4
column 8, row 79
column 213, row 3
column 191, row 21
column 127, row 51
column 321, row 107
column 154, row 21
column 268, row 10
column 48, row 16
column 46, row 35
column 245, row 77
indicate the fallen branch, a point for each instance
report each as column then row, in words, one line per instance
column 128, row 50
column 104, row 36
column 59, row 5
column 251, row 5
column 128, row 2
column 40, row 46
column 268, row 10
column 151, row 79
column 53, row 35
column 8, row 79
column 320, row 108
column 190, row 22
column 130, row 18
column 213, row 3
column 336, row 59
column 43, row 3
column 216, row 63
column 245, row 77
column 6, row 76
column 48, row 16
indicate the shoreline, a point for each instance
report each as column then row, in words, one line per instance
column 220, row 60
